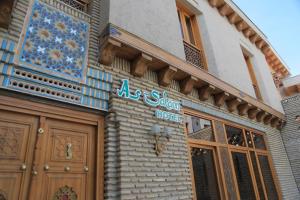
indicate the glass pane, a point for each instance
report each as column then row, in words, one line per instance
column 259, row 141
column 248, row 138
column 181, row 31
column 268, row 178
column 205, row 174
column 257, row 177
column 235, row 136
column 243, row 176
column 199, row 128
column 189, row 29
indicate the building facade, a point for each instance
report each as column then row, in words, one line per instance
column 109, row 99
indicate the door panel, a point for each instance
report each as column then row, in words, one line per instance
column 17, row 137
column 67, row 166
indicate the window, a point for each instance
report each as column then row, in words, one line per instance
column 199, row 128
column 252, row 76
column 227, row 159
column 191, row 38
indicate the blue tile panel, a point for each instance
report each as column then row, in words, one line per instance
column 54, row 42
column 93, row 93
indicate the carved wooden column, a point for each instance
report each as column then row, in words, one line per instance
column 165, row 76
column 108, row 52
column 140, row 65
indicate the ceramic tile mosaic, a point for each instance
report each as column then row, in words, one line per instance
column 55, row 42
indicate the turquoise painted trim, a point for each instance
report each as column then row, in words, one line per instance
column 222, row 115
column 3, row 45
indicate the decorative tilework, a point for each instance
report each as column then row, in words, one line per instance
column 55, row 42
column 93, row 93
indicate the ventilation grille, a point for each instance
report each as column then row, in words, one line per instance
column 45, row 80
column 44, row 91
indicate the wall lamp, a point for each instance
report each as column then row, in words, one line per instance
column 162, row 137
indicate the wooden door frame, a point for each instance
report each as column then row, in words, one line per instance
column 14, row 104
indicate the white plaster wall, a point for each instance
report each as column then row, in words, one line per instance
column 156, row 21
column 295, row 80
column 222, row 44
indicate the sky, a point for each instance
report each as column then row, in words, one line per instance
column 279, row 20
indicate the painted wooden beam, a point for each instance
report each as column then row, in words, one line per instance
column 220, row 98
column 243, row 108
column 252, row 112
column 233, row 103
column 140, row 65
column 165, row 75
column 205, row 92
column 187, row 84
column 267, row 119
column 108, row 52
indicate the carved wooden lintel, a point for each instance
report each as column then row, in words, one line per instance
column 260, row 115
column 166, row 75
column 140, row 65
column 253, row 112
column 274, row 122
column 267, row 119
column 243, row 108
column 232, row 104
column 220, row 98
column 187, row 84
column 108, row 52
column 205, row 91
column 232, row 18
column 5, row 12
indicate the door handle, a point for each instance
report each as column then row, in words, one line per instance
column 46, row 167
column 23, row 167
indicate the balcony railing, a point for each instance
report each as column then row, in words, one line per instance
column 76, row 4
column 194, row 55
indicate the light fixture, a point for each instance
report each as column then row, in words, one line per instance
column 161, row 137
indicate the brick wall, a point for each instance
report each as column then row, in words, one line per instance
column 291, row 134
column 133, row 171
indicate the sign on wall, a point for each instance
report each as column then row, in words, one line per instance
column 160, row 100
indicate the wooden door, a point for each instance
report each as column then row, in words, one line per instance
column 63, row 166
column 17, row 138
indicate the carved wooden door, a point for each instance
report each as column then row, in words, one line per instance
column 63, row 165
column 17, row 138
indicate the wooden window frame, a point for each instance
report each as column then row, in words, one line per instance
column 253, row 78
column 182, row 12
column 231, row 148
